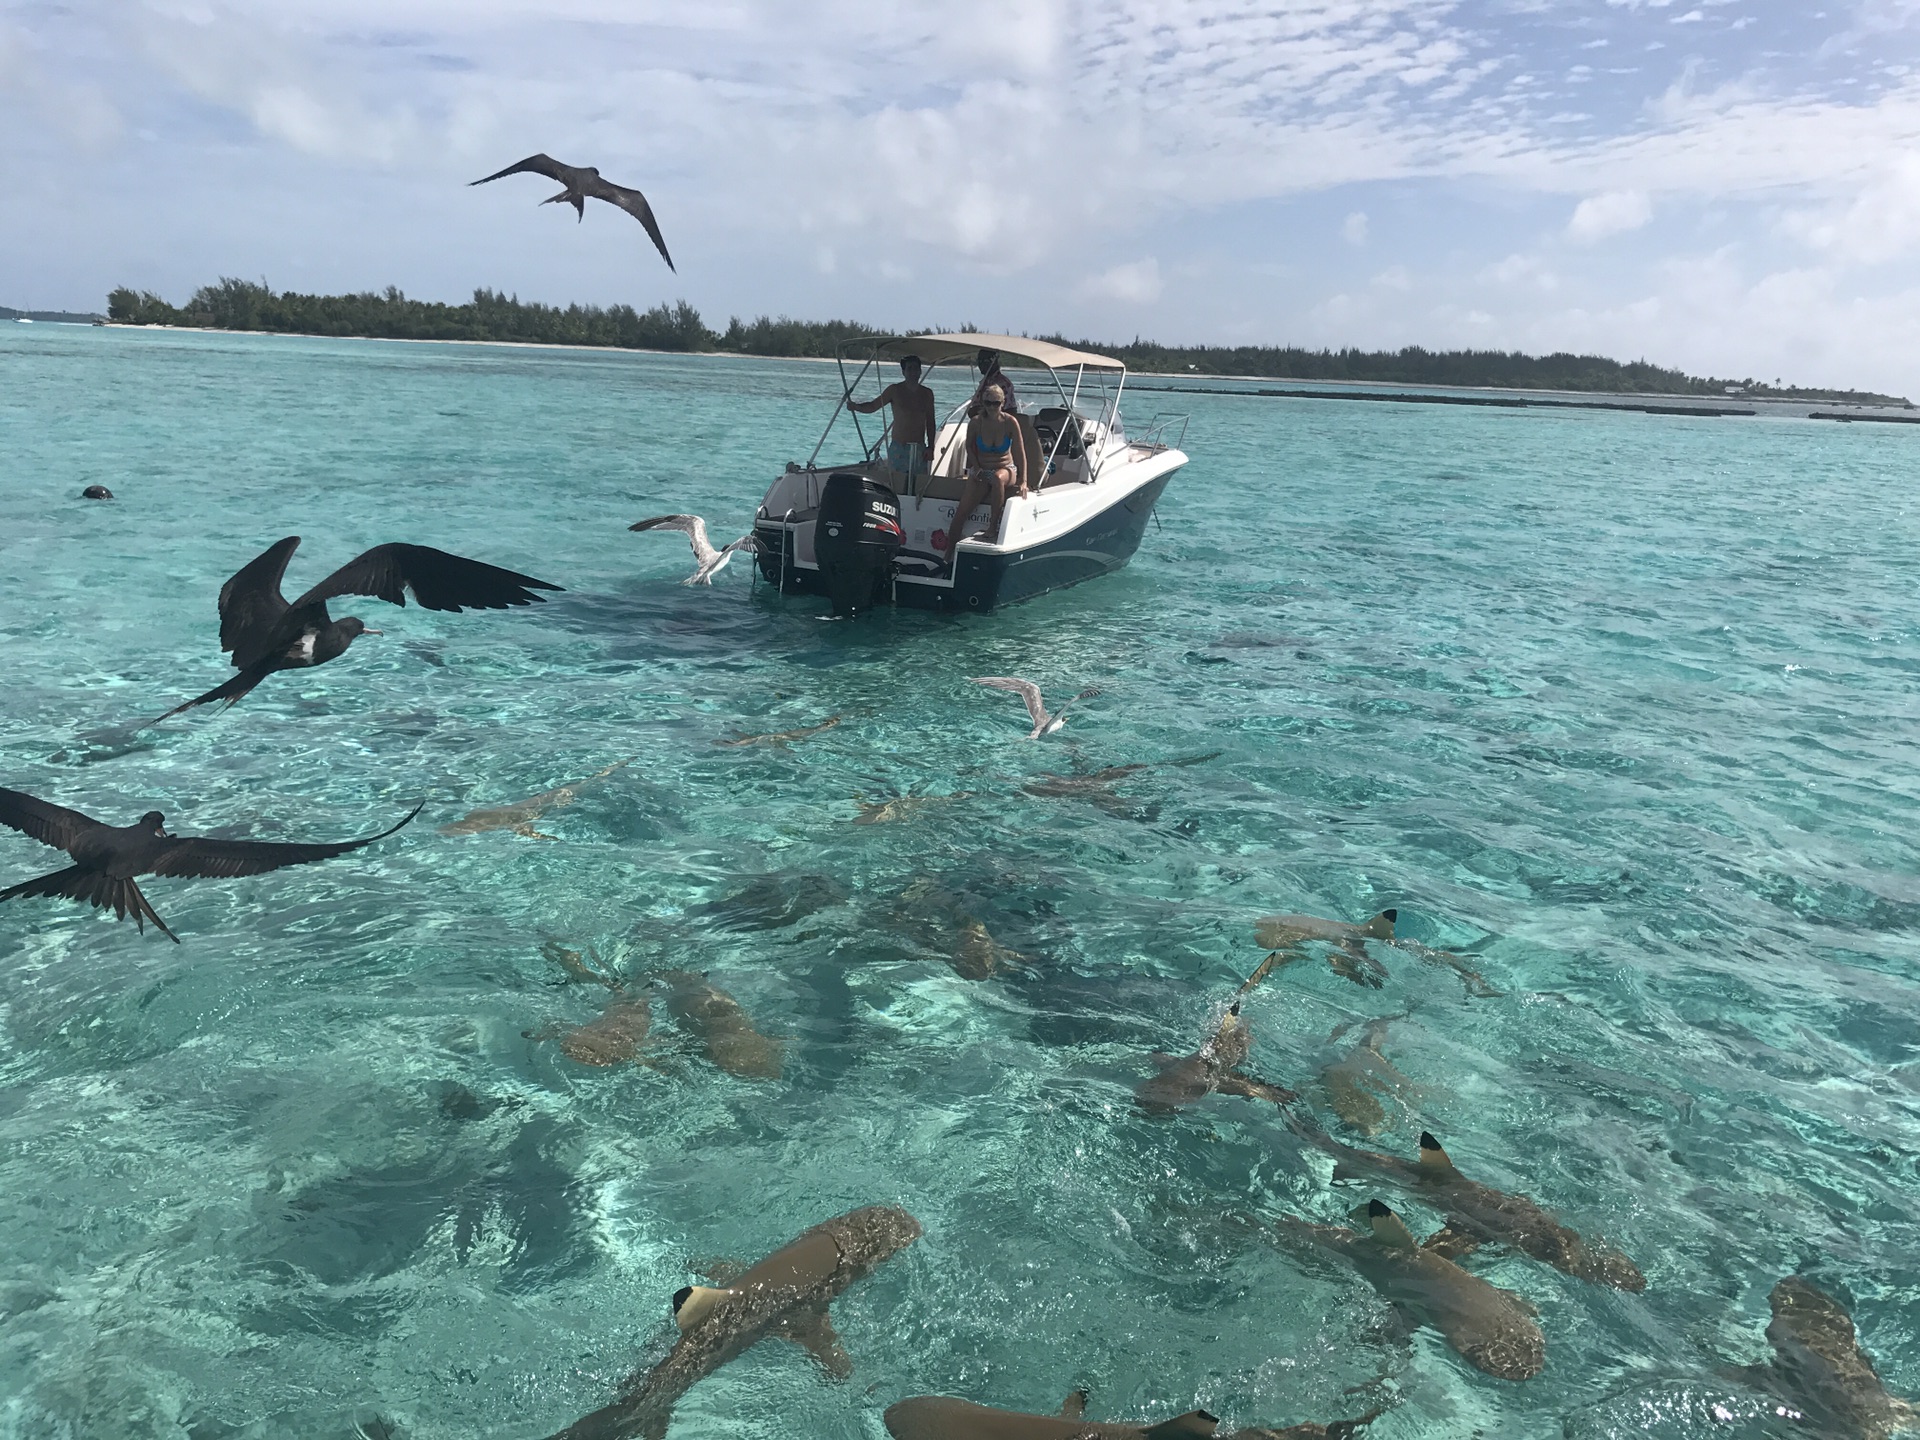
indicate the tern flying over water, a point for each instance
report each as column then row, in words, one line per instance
column 107, row 857
column 583, row 183
column 1043, row 722
column 707, row 561
column 266, row 634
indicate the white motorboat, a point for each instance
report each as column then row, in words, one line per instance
column 863, row 533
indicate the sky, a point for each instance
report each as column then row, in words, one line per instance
column 1728, row 186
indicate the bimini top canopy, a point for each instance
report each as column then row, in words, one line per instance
column 938, row 349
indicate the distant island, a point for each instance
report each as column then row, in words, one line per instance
column 246, row 305
column 53, row 317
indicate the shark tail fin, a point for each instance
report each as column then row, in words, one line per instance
column 1074, row 1407
column 1388, row 1228
column 1194, row 1425
column 1380, row 927
column 1433, row 1153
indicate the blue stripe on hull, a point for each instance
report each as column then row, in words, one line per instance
column 1101, row 544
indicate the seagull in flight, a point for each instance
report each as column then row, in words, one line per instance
column 708, row 562
column 266, row 634
column 1043, row 722
column 583, row 183
column 107, row 857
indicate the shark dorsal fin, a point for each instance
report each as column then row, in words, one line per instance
column 1388, row 1228
column 693, row 1303
column 1433, row 1153
column 1074, row 1407
column 1380, row 927
column 1194, row 1425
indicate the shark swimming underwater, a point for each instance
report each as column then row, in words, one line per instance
column 1494, row 1330
column 520, row 815
column 1290, row 934
column 1481, row 1215
column 781, row 738
column 615, row 1037
column 1184, row 1079
column 1360, row 1081
column 714, row 1018
column 1820, row 1372
column 784, row 1295
column 1349, row 959
column 930, row 915
column 940, row 1417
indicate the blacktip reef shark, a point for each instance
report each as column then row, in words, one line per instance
column 1492, row 1329
column 901, row 807
column 785, row 1295
column 1097, row 788
column 1358, row 1084
column 578, row 970
column 612, row 1039
column 1215, row 1066
column 783, row 738
column 1291, row 934
column 1820, row 1373
column 714, row 1018
column 1481, row 1215
column 940, row 1417
column 937, row 918
column 520, row 815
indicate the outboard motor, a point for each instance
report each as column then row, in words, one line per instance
column 856, row 534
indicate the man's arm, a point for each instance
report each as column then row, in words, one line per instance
column 867, row 407
column 932, row 412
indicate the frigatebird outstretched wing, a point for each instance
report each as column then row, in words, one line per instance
column 534, row 165
column 227, row 859
column 251, row 605
column 48, row 823
column 439, row 581
column 635, row 204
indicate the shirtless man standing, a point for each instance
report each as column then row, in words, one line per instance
column 913, row 422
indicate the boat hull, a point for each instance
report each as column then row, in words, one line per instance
column 987, row 577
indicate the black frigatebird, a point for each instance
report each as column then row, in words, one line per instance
column 107, row 857
column 266, row 634
column 583, row 183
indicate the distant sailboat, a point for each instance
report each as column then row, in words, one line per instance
column 21, row 320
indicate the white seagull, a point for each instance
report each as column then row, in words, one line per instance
column 1043, row 723
column 708, row 561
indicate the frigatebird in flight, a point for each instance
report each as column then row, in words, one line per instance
column 583, row 183
column 266, row 634
column 107, row 857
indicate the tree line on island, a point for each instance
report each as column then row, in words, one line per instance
column 248, row 305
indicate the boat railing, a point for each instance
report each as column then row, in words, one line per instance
column 1160, row 433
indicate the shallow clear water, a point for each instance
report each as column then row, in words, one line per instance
column 1621, row 707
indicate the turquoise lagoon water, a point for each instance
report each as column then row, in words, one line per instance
column 1621, row 707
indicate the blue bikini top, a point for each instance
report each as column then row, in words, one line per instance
column 1002, row 448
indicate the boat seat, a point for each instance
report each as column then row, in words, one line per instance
column 1067, row 463
column 938, row 487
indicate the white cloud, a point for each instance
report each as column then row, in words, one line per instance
column 1394, row 277
column 1880, row 223
column 1135, row 283
column 976, row 149
column 1521, row 270
column 1613, row 213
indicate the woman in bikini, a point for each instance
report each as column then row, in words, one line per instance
column 996, row 466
